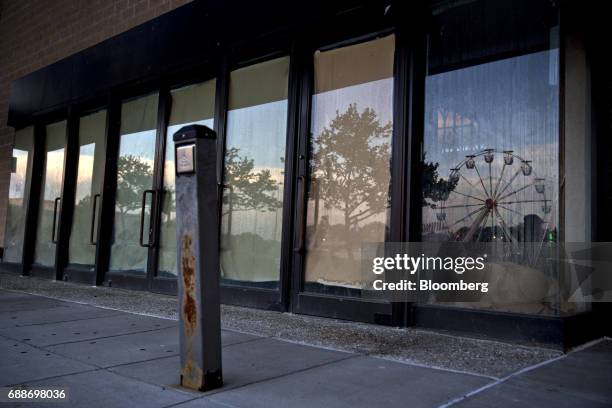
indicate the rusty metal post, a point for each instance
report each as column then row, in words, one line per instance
column 197, row 235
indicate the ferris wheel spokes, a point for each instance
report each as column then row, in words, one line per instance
column 458, row 206
column 472, row 230
column 509, row 209
column 481, row 182
column 494, row 209
column 524, row 201
column 467, row 216
column 509, row 183
column 467, row 195
column 516, row 191
column 479, row 221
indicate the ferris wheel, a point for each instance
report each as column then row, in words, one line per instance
column 496, row 196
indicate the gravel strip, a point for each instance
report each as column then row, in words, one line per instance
column 478, row 356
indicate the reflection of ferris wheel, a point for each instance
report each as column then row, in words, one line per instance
column 495, row 200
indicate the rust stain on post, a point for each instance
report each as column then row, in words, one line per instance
column 188, row 268
column 192, row 376
column 191, row 373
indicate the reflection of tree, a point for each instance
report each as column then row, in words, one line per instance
column 85, row 202
column 434, row 187
column 247, row 252
column 248, row 190
column 133, row 177
column 350, row 165
column 168, row 202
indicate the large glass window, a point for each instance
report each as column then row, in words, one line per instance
column 254, row 173
column 92, row 135
column 194, row 104
column 350, row 153
column 19, row 187
column 491, row 170
column 134, row 178
column 50, row 194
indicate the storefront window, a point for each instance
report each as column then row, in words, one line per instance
column 19, row 187
column 50, row 194
column 254, row 174
column 92, row 135
column 491, row 143
column 134, row 177
column 350, row 154
column 194, row 104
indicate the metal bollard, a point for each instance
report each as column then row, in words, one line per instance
column 198, row 257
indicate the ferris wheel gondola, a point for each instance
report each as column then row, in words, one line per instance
column 492, row 200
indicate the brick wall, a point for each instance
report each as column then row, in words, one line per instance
column 36, row 33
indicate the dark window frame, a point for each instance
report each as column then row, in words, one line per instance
column 241, row 56
column 409, row 56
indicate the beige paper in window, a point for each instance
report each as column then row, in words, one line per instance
column 354, row 65
column 139, row 114
column 193, row 103
column 258, row 84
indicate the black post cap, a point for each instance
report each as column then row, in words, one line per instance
column 191, row 132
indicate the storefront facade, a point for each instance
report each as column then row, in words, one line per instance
column 338, row 124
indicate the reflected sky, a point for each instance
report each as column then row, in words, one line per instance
column 507, row 105
column 376, row 95
column 141, row 144
column 54, row 172
column 18, row 178
column 259, row 132
column 85, row 171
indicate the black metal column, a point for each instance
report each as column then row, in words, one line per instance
column 31, row 220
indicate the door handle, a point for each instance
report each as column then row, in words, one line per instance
column 57, row 200
column 142, row 215
column 300, row 227
column 93, row 219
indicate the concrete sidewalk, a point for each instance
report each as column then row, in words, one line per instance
column 108, row 358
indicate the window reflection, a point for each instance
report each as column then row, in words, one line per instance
column 92, row 134
column 134, row 176
column 491, row 168
column 193, row 104
column 50, row 195
column 491, row 149
column 19, row 188
column 254, row 174
column 350, row 157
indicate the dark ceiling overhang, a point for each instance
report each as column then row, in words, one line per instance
column 185, row 37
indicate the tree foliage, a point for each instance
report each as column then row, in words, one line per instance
column 434, row 187
column 350, row 162
column 248, row 189
column 134, row 175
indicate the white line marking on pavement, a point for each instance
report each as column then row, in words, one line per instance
column 519, row 372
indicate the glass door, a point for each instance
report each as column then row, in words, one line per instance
column 19, row 188
column 143, row 247
column 89, row 178
column 193, row 104
column 344, row 181
column 135, row 195
column 252, row 208
column 50, row 200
